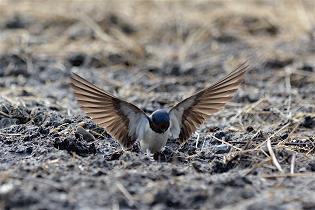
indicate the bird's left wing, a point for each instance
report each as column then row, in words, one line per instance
column 190, row 113
column 122, row 120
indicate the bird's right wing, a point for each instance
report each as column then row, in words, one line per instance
column 122, row 120
column 189, row 114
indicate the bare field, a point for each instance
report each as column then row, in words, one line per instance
column 257, row 153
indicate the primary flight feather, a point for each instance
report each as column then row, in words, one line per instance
column 127, row 123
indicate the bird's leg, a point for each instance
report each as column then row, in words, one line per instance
column 157, row 156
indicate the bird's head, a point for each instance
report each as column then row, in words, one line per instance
column 160, row 121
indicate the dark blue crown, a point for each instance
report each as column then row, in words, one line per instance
column 160, row 116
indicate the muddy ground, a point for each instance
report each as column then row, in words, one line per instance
column 154, row 54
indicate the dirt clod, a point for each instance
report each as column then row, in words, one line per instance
column 84, row 134
column 76, row 146
column 309, row 122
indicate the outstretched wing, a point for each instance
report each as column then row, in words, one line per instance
column 190, row 113
column 121, row 119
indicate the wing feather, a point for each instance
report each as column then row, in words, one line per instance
column 119, row 118
column 190, row 113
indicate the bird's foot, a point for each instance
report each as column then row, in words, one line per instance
column 149, row 155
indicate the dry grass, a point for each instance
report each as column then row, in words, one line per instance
column 293, row 18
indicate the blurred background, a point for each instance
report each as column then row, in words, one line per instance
column 122, row 42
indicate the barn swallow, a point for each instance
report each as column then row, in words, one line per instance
column 127, row 123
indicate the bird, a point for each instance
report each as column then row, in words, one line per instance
column 127, row 123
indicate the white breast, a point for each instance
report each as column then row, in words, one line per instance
column 153, row 141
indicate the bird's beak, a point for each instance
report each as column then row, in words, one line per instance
column 166, row 128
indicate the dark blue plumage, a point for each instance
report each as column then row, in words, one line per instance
column 160, row 116
column 160, row 121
